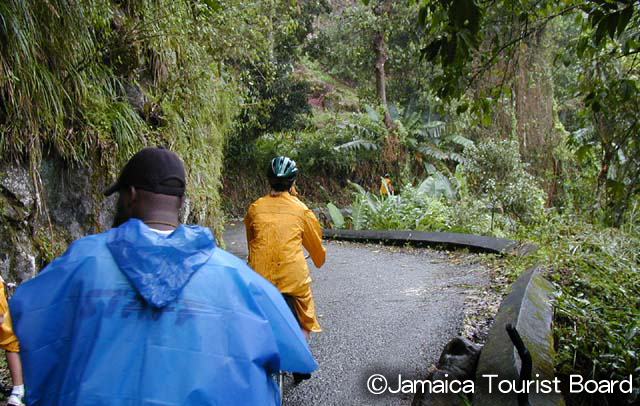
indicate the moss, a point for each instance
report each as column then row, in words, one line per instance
column 11, row 211
column 50, row 243
column 87, row 116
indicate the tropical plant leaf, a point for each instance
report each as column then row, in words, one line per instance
column 436, row 186
column 373, row 203
column 336, row 216
column 429, row 168
column 355, row 145
column 460, row 140
column 393, row 111
column 372, row 113
column 358, row 215
column 358, row 188
column 432, row 151
column 583, row 152
column 454, row 156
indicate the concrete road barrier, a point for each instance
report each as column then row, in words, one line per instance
column 528, row 308
column 473, row 242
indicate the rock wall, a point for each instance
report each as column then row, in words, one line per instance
column 43, row 208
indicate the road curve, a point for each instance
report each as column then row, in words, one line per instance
column 383, row 310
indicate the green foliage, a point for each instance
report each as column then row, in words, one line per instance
column 272, row 104
column 341, row 144
column 97, row 80
column 613, row 103
column 461, row 31
column 596, row 51
column 597, row 311
column 326, row 91
column 342, row 44
column 495, row 171
column 260, row 41
column 347, row 55
column 424, row 209
column 437, row 186
column 427, row 137
column 336, row 216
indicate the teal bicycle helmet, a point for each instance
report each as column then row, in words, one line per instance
column 282, row 171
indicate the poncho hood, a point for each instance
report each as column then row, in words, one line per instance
column 157, row 265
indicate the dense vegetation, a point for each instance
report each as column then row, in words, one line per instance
column 97, row 80
column 515, row 119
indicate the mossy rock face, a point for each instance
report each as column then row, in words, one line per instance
column 11, row 211
column 38, row 223
column 18, row 256
column 74, row 198
column 16, row 183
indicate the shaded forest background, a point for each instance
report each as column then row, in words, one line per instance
column 516, row 119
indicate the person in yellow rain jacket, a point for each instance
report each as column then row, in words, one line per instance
column 278, row 226
column 386, row 188
column 9, row 343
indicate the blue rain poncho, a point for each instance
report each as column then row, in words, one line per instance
column 134, row 317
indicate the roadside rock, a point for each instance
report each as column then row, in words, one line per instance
column 457, row 362
column 460, row 358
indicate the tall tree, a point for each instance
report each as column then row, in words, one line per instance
column 461, row 38
column 382, row 10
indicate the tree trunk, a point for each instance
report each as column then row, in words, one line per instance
column 603, row 128
column 536, row 121
column 380, row 48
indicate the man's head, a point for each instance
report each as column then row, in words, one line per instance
column 282, row 172
column 151, row 187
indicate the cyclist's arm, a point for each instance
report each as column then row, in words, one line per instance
column 312, row 238
column 249, row 228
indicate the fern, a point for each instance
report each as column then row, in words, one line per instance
column 358, row 215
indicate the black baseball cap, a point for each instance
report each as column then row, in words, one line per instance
column 153, row 169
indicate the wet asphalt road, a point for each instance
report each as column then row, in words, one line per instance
column 383, row 310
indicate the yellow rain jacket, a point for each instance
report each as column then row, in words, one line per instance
column 8, row 340
column 386, row 187
column 277, row 229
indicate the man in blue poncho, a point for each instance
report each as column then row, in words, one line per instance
column 151, row 312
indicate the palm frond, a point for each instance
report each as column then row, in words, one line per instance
column 355, row 145
column 433, row 151
column 460, row 140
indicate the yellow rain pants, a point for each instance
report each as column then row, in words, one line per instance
column 277, row 229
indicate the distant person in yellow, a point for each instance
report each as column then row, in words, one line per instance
column 278, row 226
column 386, row 188
column 9, row 343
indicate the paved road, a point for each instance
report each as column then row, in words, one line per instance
column 384, row 310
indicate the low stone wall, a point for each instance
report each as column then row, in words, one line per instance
column 473, row 242
column 529, row 309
